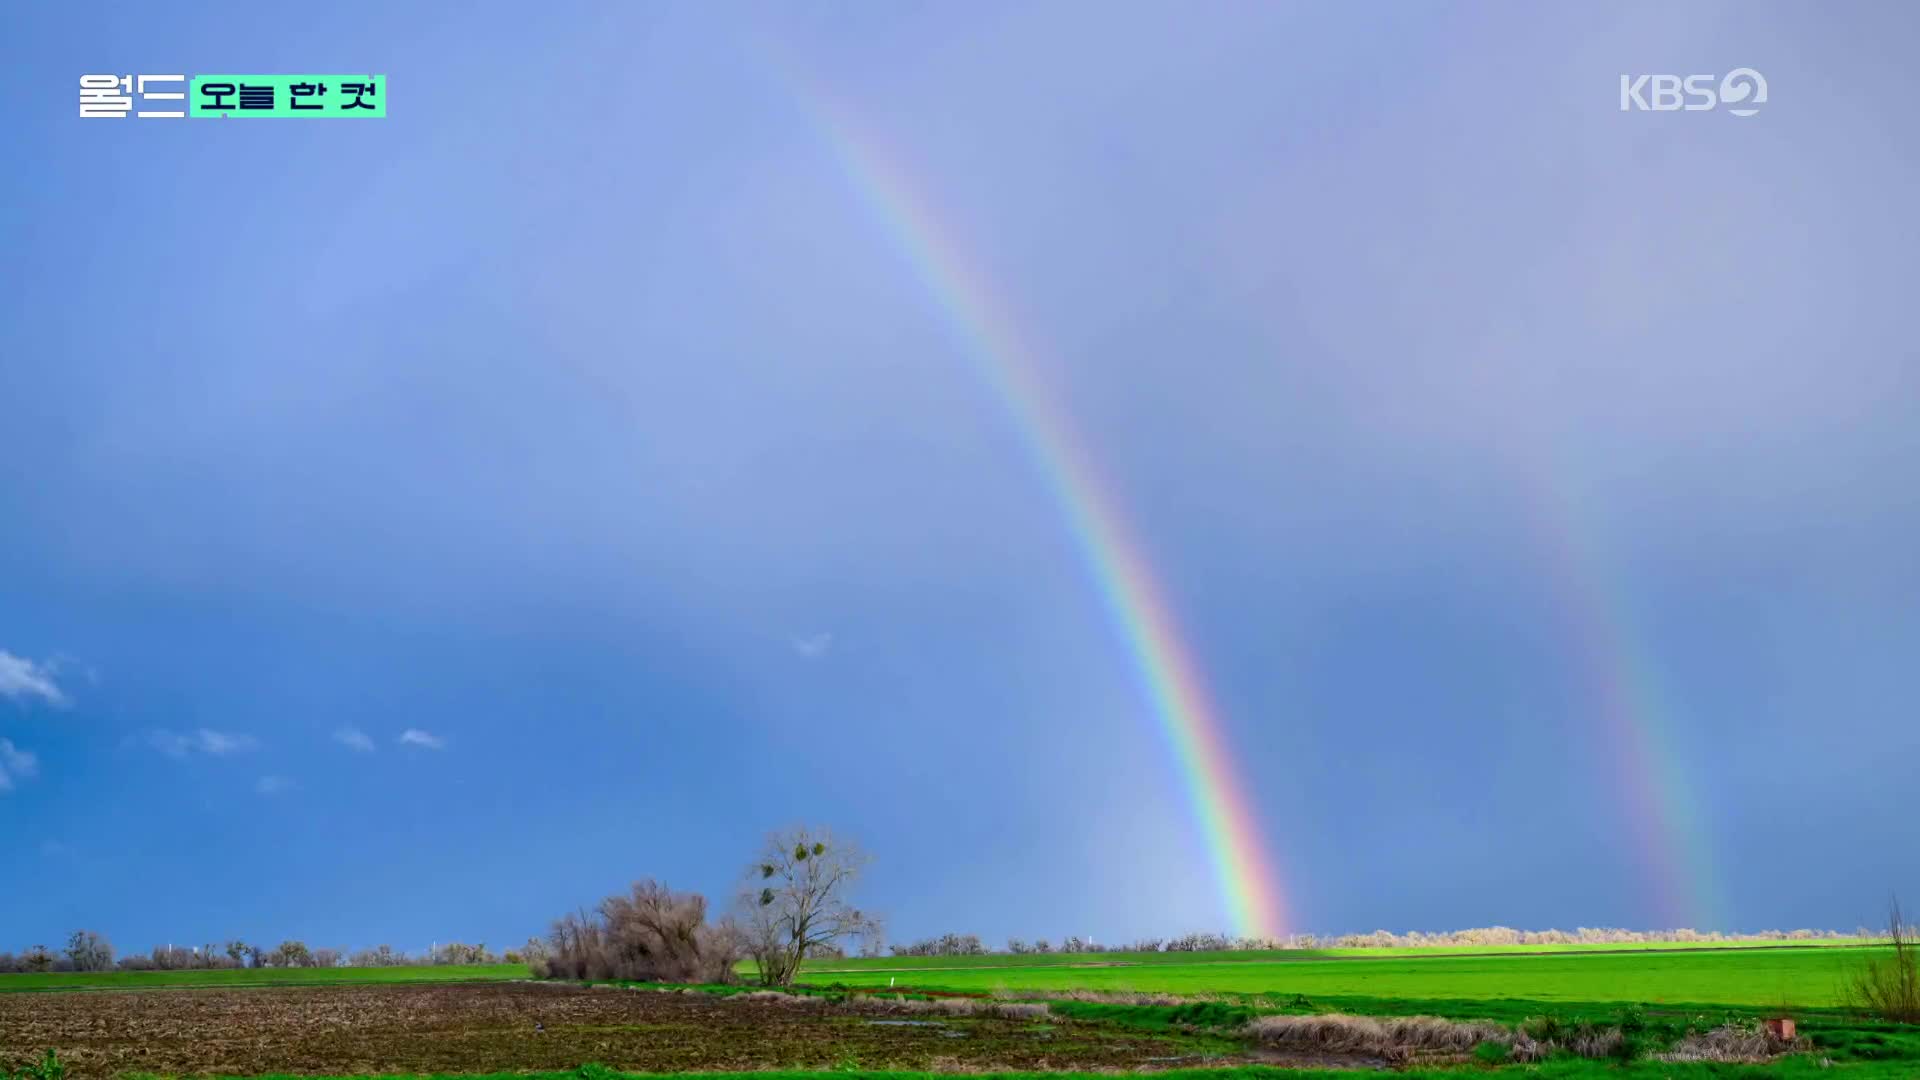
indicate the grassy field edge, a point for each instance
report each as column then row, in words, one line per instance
column 230, row 979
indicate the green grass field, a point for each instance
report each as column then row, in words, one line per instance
column 1080, row 959
column 1748, row 977
column 149, row 980
column 1753, row 978
column 1800, row 976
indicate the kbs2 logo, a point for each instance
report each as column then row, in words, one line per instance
column 1741, row 92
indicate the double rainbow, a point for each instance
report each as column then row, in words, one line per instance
column 1622, row 682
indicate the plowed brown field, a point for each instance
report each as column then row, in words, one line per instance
column 520, row 1026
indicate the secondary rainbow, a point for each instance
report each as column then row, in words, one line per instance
column 1115, row 562
column 1625, row 689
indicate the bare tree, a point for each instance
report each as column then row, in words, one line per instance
column 384, row 956
column 171, row 957
column 795, row 902
column 88, row 951
column 292, row 954
column 873, row 938
column 532, row 954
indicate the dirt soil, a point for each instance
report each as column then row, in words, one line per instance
column 500, row 1027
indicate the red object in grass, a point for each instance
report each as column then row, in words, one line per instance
column 1781, row 1027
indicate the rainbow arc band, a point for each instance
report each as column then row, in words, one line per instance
column 323, row 97
column 1245, row 872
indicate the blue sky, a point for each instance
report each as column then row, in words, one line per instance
column 581, row 420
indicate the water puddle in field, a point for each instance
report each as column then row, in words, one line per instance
column 944, row 1029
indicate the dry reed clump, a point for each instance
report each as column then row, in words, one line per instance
column 1394, row 1038
column 1526, row 1050
column 897, row 1005
column 1596, row 1043
column 775, row 997
column 1006, row 1010
column 1734, row 1043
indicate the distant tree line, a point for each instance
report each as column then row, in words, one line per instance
column 88, row 950
column 944, row 945
column 952, row 944
column 1585, row 935
column 793, row 907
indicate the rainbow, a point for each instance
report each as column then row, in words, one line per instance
column 1625, row 688
column 1115, row 561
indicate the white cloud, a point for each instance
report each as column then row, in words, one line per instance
column 354, row 739
column 21, row 678
column 220, row 742
column 426, row 740
column 177, row 744
column 272, row 785
column 813, row 646
column 16, row 763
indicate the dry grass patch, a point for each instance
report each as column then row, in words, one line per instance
column 1734, row 1043
column 1391, row 1038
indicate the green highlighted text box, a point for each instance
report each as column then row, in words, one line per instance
column 318, row 97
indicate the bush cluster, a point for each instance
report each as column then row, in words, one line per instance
column 648, row 934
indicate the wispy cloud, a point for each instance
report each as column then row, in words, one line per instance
column 16, row 763
column 426, row 740
column 813, row 646
column 21, row 678
column 182, row 744
column 272, row 785
column 354, row 739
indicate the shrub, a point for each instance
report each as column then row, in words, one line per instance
column 1888, row 986
column 1544, row 1029
column 651, row 934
